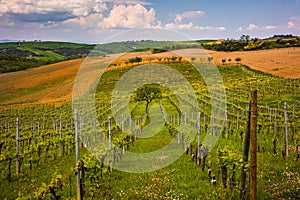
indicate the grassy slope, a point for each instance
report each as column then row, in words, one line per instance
column 48, row 45
column 114, row 47
column 49, row 82
column 181, row 179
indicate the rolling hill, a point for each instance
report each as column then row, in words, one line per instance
column 16, row 56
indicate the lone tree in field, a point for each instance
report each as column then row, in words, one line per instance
column 238, row 60
column 147, row 93
column 224, row 61
column 134, row 60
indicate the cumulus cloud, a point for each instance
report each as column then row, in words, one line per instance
column 131, row 16
column 126, row 2
column 252, row 27
column 240, row 29
column 188, row 15
column 191, row 26
column 180, row 26
column 221, row 28
column 204, row 28
column 270, row 27
column 89, row 21
column 290, row 24
column 294, row 22
column 74, row 7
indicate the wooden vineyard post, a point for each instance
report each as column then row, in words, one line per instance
column 245, row 157
column 286, row 153
column 253, row 146
column 185, row 121
column 77, row 155
column 275, row 135
column 109, row 134
column 17, row 147
column 198, row 147
column 60, row 136
column 122, row 123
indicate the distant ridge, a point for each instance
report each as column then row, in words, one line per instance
column 7, row 40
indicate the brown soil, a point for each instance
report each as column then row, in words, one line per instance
column 54, row 83
column 279, row 62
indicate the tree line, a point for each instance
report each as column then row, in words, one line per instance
column 12, row 63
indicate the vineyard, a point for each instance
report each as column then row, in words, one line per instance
column 39, row 145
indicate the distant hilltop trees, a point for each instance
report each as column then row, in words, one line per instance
column 245, row 43
column 284, row 36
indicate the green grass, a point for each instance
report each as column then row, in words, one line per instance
column 183, row 179
column 43, row 44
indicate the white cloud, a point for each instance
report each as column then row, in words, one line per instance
column 74, row 7
column 204, row 28
column 191, row 26
column 240, row 29
column 188, row 15
column 131, row 16
column 295, row 18
column 252, row 27
column 178, row 19
column 221, row 28
column 126, row 2
column 89, row 21
column 294, row 22
column 180, row 26
column 270, row 27
column 291, row 24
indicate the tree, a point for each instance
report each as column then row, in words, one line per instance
column 224, row 61
column 179, row 59
column 238, row 60
column 245, row 38
column 147, row 93
column 173, row 58
column 136, row 59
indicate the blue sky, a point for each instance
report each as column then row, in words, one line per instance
column 98, row 20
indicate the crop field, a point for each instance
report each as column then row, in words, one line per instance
column 39, row 128
column 279, row 62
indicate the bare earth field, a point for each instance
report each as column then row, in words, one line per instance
column 47, row 84
column 283, row 62
column 54, row 83
column 279, row 62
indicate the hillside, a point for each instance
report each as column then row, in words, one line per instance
column 54, row 83
column 16, row 56
column 247, row 44
column 47, row 143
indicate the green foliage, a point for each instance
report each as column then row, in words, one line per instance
column 254, row 44
column 12, row 63
column 154, row 50
column 148, row 93
column 182, row 179
column 229, row 157
column 25, row 55
column 224, row 61
column 135, row 60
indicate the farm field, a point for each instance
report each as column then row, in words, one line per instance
column 46, row 133
column 48, row 84
column 282, row 62
column 279, row 62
